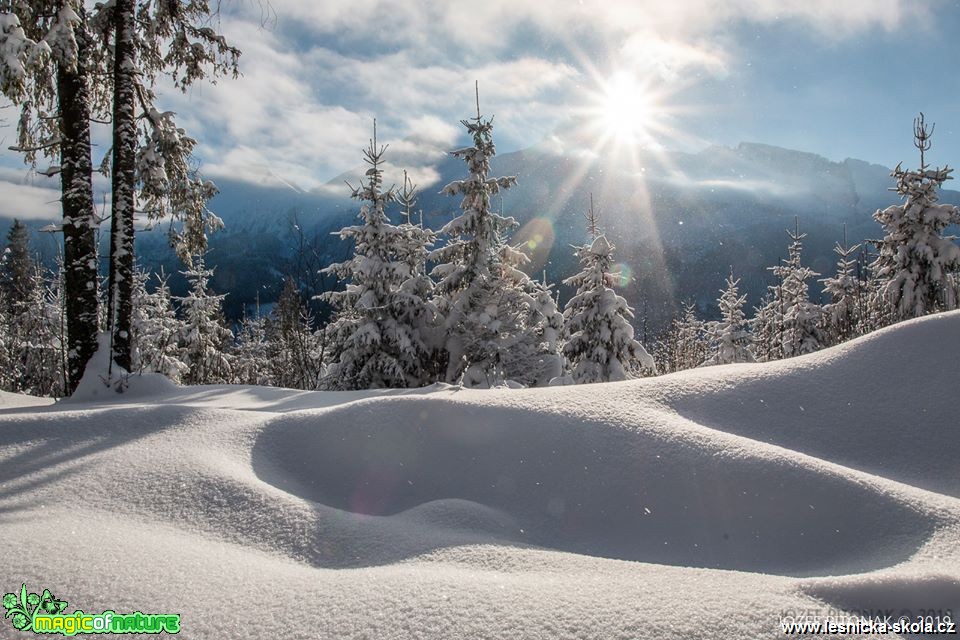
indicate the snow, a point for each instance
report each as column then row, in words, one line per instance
column 17, row 401
column 702, row 504
column 100, row 381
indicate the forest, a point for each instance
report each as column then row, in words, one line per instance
column 414, row 305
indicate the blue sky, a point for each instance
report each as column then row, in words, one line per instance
column 842, row 79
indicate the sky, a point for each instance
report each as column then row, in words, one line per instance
column 840, row 79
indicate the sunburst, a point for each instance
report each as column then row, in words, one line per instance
column 626, row 110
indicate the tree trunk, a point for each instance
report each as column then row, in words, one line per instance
column 124, row 177
column 79, row 214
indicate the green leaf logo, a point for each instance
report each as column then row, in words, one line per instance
column 23, row 607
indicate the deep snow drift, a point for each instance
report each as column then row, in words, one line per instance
column 702, row 504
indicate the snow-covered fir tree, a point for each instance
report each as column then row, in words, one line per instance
column 156, row 329
column 33, row 346
column 916, row 262
column 204, row 340
column 379, row 343
column 842, row 315
column 251, row 355
column 294, row 351
column 730, row 337
column 141, row 41
column 8, row 373
column 49, row 70
column 874, row 309
column 422, row 313
column 490, row 318
column 685, row 343
column 16, row 265
column 600, row 346
column 36, row 349
column 551, row 331
column 767, row 328
column 170, row 187
column 799, row 319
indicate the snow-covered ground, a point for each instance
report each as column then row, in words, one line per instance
column 697, row 505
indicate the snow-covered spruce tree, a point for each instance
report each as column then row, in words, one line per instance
column 16, row 265
column 662, row 351
column 414, row 250
column 31, row 319
column 251, row 356
column 35, row 347
column 156, row 329
column 600, row 346
column 551, row 330
column 767, row 328
column 730, row 338
column 8, row 372
column 842, row 315
column 143, row 40
column 491, row 320
column 916, row 260
column 203, row 338
column 685, row 344
column 790, row 305
column 377, row 329
column 874, row 310
column 294, row 351
column 46, row 68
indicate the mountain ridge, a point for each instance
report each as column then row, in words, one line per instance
column 680, row 220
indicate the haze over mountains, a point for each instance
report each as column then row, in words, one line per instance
column 680, row 221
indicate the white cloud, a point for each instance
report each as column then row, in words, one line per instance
column 270, row 121
column 27, row 196
column 763, row 187
column 287, row 119
column 302, row 112
column 667, row 59
column 482, row 25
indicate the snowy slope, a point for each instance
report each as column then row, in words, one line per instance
column 702, row 504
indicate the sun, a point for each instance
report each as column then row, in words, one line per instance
column 625, row 109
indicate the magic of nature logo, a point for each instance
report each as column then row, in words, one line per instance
column 43, row 613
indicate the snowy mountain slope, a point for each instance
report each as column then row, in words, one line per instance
column 671, row 507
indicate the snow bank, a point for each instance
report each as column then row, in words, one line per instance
column 102, row 382
column 18, row 400
column 885, row 403
column 639, row 486
column 673, row 507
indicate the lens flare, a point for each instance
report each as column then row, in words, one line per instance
column 626, row 274
column 536, row 239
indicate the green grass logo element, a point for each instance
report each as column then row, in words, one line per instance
column 23, row 607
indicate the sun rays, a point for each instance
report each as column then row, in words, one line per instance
column 625, row 110
column 623, row 131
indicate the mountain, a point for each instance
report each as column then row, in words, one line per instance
column 680, row 221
